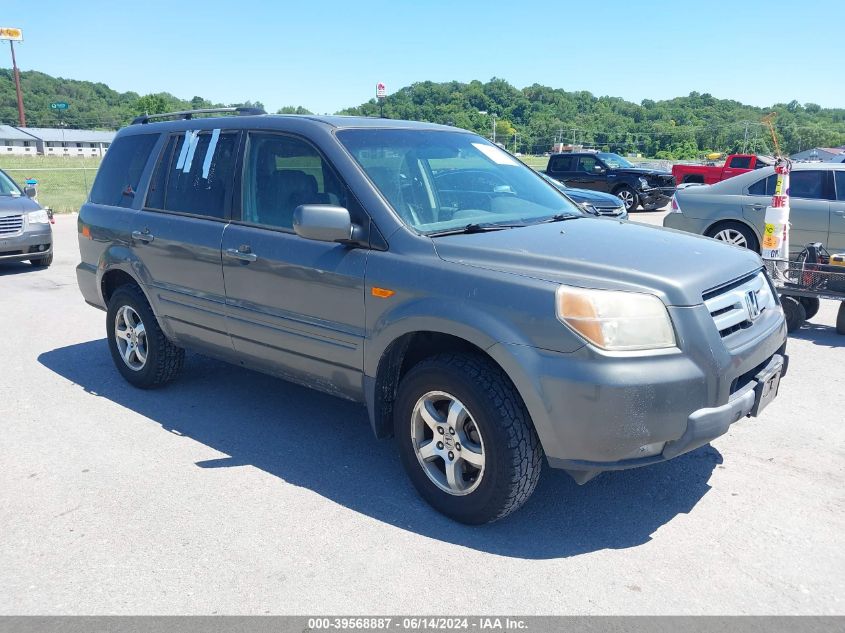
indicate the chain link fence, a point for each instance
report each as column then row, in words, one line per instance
column 63, row 183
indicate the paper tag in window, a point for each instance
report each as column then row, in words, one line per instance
column 495, row 154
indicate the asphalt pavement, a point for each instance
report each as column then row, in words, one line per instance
column 231, row 492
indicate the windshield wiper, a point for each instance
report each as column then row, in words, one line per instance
column 475, row 227
column 561, row 217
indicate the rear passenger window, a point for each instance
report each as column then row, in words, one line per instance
column 763, row 187
column 561, row 163
column 740, row 162
column 119, row 175
column 281, row 173
column 195, row 174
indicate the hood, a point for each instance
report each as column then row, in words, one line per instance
column 10, row 205
column 604, row 253
column 640, row 171
column 593, row 197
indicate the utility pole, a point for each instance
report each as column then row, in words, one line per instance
column 573, row 138
column 21, row 114
column 745, row 140
column 494, row 128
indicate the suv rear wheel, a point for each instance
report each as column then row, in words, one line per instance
column 140, row 350
column 465, row 438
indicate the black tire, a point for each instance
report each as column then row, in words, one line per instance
column 629, row 197
column 512, row 450
column 811, row 306
column 840, row 318
column 163, row 359
column 42, row 262
column 751, row 242
column 794, row 313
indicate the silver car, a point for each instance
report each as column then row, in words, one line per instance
column 734, row 210
column 25, row 232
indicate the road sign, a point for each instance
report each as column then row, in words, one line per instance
column 11, row 33
column 381, row 91
column 59, row 105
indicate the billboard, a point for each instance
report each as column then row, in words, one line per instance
column 11, row 33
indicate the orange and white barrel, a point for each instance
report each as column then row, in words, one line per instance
column 775, row 244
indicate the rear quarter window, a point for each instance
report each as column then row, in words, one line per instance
column 119, row 175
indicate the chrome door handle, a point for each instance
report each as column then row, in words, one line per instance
column 241, row 254
column 144, row 236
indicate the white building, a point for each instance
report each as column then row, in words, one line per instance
column 15, row 142
column 43, row 141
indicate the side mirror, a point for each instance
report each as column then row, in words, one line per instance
column 598, row 169
column 30, row 192
column 322, row 222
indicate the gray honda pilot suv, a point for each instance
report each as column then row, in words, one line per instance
column 483, row 321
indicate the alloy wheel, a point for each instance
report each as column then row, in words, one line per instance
column 447, row 443
column 732, row 236
column 627, row 198
column 131, row 338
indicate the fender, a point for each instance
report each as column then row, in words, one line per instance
column 121, row 257
column 461, row 320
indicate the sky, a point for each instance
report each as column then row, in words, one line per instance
column 329, row 55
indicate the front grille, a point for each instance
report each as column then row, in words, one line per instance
column 610, row 210
column 11, row 224
column 736, row 306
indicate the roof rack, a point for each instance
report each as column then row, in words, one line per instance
column 189, row 114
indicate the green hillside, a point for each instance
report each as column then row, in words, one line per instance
column 528, row 120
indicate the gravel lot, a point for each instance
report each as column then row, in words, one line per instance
column 232, row 492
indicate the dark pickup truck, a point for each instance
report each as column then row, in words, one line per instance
column 604, row 171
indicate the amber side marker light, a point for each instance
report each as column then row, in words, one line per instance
column 86, row 231
column 382, row 293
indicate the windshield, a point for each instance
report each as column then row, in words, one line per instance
column 614, row 160
column 7, row 187
column 437, row 181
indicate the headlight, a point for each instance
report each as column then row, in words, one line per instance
column 643, row 183
column 38, row 217
column 614, row 320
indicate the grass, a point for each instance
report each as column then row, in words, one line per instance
column 63, row 183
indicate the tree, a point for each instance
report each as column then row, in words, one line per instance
column 293, row 110
column 151, row 104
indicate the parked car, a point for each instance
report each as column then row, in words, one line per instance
column 25, row 232
column 610, row 173
column 734, row 165
column 484, row 328
column 734, row 210
column 593, row 202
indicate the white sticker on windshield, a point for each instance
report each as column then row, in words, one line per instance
column 495, row 154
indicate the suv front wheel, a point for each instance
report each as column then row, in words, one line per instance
column 629, row 198
column 140, row 350
column 465, row 438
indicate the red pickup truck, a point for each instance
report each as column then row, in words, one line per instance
column 734, row 165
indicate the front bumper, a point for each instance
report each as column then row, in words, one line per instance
column 30, row 244
column 595, row 412
column 656, row 196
